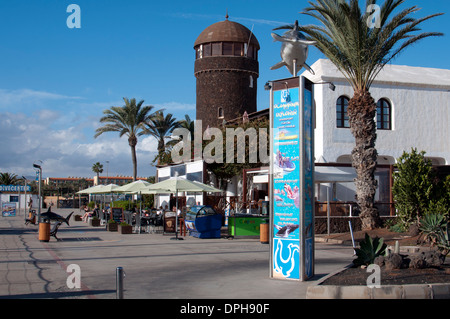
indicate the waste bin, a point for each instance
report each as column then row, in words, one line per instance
column 203, row 222
column 264, row 232
column 44, row 231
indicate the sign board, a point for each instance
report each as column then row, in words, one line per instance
column 117, row 214
column 15, row 188
column 170, row 219
column 8, row 209
column 291, row 179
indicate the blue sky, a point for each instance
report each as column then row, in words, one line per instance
column 56, row 81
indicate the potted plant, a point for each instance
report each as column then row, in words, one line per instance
column 112, row 225
column 95, row 222
column 125, row 228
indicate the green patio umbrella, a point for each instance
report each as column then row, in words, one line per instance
column 133, row 187
column 90, row 189
column 175, row 185
column 105, row 189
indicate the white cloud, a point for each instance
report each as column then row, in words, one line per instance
column 66, row 152
column 13, row 98
column 58, row 130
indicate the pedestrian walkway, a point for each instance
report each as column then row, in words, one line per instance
column 156, row 266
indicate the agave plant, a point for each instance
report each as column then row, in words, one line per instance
column 370, row 248
column 431, row 226
column 437, row 230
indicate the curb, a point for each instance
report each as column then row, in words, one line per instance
column 426, row 291
column 422, row 291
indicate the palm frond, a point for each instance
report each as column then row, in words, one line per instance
column 357, row 50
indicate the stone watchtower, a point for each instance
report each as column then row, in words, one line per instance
column 227, row 69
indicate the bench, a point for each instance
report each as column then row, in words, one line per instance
column 54, row 230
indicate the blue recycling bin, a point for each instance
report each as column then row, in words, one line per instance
column 203, row 222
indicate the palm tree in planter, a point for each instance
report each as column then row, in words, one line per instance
column 360, row 47
column 128, row 120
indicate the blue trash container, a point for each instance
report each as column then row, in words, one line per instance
column 203, row 222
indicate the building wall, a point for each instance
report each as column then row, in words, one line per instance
column 226, row 82
column 420, row 119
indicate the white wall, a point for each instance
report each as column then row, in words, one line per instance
column 420, row 113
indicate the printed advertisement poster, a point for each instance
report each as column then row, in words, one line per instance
column 293, row 182
column 286, row 183
column 8, row 209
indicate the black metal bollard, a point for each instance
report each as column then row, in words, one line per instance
column 120, row 274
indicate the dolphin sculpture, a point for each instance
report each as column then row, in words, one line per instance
column 294, row 49
column 55, row 217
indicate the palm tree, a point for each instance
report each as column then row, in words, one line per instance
column 97, row 168
column 188, row 124
column 160, row 127
column 360, row 51
column 128, row 120
column 8, row 179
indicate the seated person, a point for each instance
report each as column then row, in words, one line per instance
column 86, row 215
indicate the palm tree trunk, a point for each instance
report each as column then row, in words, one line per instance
column 161, row 149
column 361, row 112
column 132, row 141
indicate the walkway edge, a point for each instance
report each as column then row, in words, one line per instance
column 425, row 291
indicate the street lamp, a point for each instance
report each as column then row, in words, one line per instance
column 107, row 175
column 331, row 85
column 25, row 190
column 39, row 198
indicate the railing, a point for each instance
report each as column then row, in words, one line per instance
column 350, row 209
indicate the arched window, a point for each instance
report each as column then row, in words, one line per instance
column 220, row 112
column 384, row 115
column 341, row 112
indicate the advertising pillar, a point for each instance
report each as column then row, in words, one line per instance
column 292, row 179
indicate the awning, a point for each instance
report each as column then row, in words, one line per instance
column 322, row 174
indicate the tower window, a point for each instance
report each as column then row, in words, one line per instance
column 238, row 47
column 227, row 48
column 207, row 49
column 251, row 82
column 217, row 48
column 341, row 112
column 384, row 115
column 220, row 113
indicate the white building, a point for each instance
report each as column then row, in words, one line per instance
column 415, row 106
column 413, row 112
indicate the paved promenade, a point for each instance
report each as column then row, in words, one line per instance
column 156, row 267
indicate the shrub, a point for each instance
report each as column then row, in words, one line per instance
column 417, row 189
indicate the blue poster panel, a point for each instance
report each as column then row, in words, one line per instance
column 292, row 183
